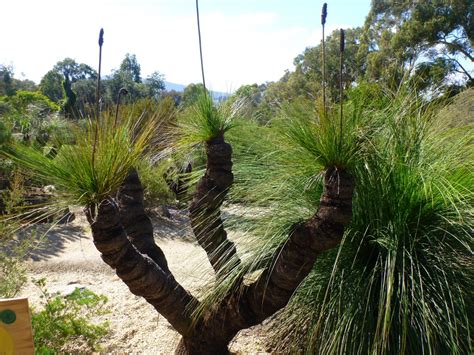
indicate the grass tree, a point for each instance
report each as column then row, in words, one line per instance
column 399, row 281
column 396, row 278
column 110, row 203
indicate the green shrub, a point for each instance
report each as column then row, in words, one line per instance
column 22, row 99
column 12, row 249
column 64, row 322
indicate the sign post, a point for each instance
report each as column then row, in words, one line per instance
column 15, row 327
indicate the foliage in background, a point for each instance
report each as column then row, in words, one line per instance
column 12, row 254
column 9, row 84
column 152, row 176
column 430, row 37
column 64, row 323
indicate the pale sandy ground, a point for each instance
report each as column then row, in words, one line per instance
column 69, row 257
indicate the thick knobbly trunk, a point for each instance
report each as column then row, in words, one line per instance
column 136, row 223
column 140, row 273
column 295, row 259
column 204, row 209
column 291, row 264
column 250, row 304
column 199, row 346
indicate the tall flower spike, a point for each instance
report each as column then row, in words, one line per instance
column 200, row 46
column 101, row 42
column 97, row 98
column 324, row 13
column 342, row 41
column 341, row 97
column 101, row 37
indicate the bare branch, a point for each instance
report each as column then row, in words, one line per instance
column 459, row 48
column 463, row 70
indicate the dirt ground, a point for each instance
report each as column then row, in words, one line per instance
column 68, row 258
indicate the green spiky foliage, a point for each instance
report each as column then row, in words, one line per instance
column 400, row 282
column 82, row 176
column 197, row 124
column 278, row 173
column 204, row 121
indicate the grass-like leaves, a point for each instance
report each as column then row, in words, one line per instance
column 81, row 176
column 204, row 121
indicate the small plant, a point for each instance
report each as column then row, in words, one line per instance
column 12, row 249
column 12, row 252
column 64, row 322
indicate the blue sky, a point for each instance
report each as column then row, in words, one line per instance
column 244, row 41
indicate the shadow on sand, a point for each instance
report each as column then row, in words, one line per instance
column 50, row 242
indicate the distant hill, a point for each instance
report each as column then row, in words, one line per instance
column 173, row 86
column 218, row 95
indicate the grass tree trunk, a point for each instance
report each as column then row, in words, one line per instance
column 292, row 262
column 243, row 307
column 135, row 221
column 140, row 273
column 205, row 207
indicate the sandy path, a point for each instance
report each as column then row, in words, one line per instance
column 68, row 257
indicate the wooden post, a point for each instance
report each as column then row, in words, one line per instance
column 15, row 327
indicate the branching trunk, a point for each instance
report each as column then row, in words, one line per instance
column 293, row 261
column 140, row 273
column 135, row 221
column 125, row 239
column 204, row 209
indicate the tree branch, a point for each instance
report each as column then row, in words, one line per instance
column 140, row 273
column 464, row 71
column 204, row 209
column 135, row 221
column 295, row 258
column 459, row 48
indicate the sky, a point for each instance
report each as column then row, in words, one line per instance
column 244, row 41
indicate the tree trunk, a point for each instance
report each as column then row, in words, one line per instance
column 135, row 221
column 292, row 262
column 204, row 209
column 140, row 273
column 124, row 236
column 198, row 345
